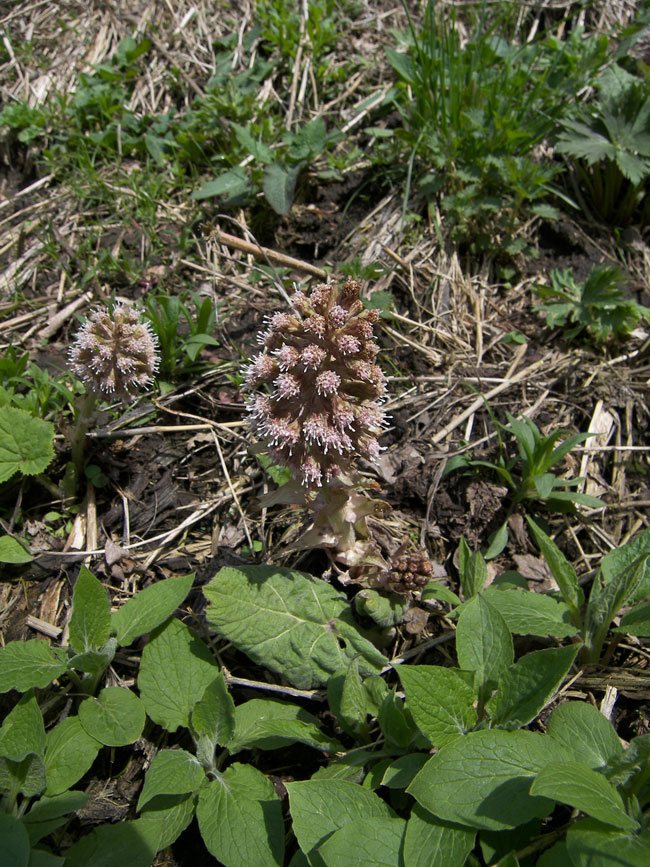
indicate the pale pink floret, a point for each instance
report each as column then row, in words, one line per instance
column 261, row 370
column 315, row 428
column 320, row 296
column 343, row 417
column 317, row 325
column 347, row 344
column 311, row 473
column 338, row 316
column 281, row 321
column 313, row 356
column 287, row 356
column 287, row 385
column 327, row 382
column 372, row 449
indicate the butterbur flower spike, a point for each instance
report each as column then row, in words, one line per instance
column 316, row 390
column 115, row 353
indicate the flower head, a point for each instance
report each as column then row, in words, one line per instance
column 115, row 353
column 316, row 390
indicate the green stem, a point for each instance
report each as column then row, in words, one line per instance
column 78, row 439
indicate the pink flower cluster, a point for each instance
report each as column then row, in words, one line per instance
column 317, row 387
column 115, row 352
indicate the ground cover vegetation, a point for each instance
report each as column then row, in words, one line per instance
column 323, row 433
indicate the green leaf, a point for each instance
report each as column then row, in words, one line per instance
column 94, row 661
column 24, row 664
column 562, row 570
column 213, row 716
column 22, row 776
column 483, row 779
column 474, row 576
column 365, row 841
column 69, row 753
column 115, row 718
column 580, row 787
column 113, row 846
column 292, row 623
column 232, row 183
column 23, row 730
column 399, row 774
column 11, row 551
column 585, row 732
column 396, row 721
column 269, row 724
column 441, row 702
column 41, row 858
column 483, row 641
column 616, row 561
column 240, row 819
column 165, row 818
column 172, row 772
column 90, row 622
column 592, row 844
column 430, row 842
column 279, row 183
column 149, row 608
column 25, row 443
column 353, row 709
column 47, row 814
column 636, row 621
column 320, row 807
column 385, row 611
column 527, row 686
column 310, row 140
column 498, row 542
column 529, row 613
column 15, row 842
column 175, row 671
column 257, row 149
column 605, row 601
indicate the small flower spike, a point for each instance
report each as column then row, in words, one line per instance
column 115, row 353
column 316, row 391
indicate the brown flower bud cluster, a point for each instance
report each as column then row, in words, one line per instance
column 409, row 572
column 114, row 352
column 318, row 389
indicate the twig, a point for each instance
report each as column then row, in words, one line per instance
column 265, row 253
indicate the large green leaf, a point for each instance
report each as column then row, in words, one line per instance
column 528, row 613
column 113, row 846
column 586, row 790
column 593, row 844
column 376, row 841
column 279, row 184
column 430, row 842
column 213, row 718
column 69, row 753
column 292, row 623
column 171, row 772
column 115, row 718
column 24, row 664
column 90, row 622
column 483, row 641
column 25, row 443
column 149, row 608
column 23, row 730
column 15, row 842
column 240, row 819
column 529, row 684
column 175, row 670
column 269, row 724
column 583, row 730
column 441, row 702
column 320, row 807
column 483, row 779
